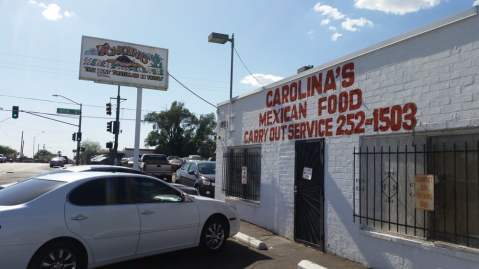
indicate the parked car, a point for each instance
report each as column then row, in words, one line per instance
column 194, row 157
column 176, row 162
column 120, row 169
column 105, row 159
column 156, row 165
column 200, row 175
column 84, row 220
column 57, row 161
column 3, row 159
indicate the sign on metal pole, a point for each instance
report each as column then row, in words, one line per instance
column 68, row 111
column 125, row 64
column 121, row 63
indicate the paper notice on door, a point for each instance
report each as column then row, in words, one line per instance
column 308, row 173
column 244, row 175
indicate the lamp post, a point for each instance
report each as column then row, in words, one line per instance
column 79, row 136
column 34, row 138
column 222, row 39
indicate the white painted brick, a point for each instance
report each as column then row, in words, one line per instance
column 444, row 84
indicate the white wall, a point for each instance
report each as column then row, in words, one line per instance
column 439, row 71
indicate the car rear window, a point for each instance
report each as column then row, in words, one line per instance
column 25, row 191
column 154, row 158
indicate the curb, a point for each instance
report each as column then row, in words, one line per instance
column 250, row 241
column 305, row 264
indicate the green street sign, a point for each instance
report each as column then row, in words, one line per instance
column 69, row 111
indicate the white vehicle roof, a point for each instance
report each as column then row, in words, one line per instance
column 76, row 176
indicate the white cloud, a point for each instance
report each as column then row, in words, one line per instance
column 398, row 7
column 334, row 18
column 51, row 12
column 353, row 25
column 336, row 36
column 476, row 3
column 311, row 33
column 258, row 80
column 327, row 21
column 328, row 11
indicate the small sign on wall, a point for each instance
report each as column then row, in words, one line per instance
column 424, row 188
column 307, row 173
column 244, row 175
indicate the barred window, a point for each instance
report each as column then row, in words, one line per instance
column 385, row 170
column 242, row 173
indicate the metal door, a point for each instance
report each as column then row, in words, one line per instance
column 309, row 193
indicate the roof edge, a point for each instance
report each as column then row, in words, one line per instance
column 474, row 11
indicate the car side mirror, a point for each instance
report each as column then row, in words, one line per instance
column 192, row 173
column 185, row 198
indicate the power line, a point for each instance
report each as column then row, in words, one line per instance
column 66, row 103
column 191, row 91
column 68, row 116
column 246, row 67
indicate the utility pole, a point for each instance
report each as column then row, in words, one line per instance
column 79, row 137
column 21, row 147
column 116, row 128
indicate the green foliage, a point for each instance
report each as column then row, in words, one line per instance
column 177, row 131
column 91, row 149
column 7, row 151
column 43, row 155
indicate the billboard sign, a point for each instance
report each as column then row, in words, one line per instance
column 121, row 63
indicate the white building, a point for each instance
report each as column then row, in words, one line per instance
column 335, row 156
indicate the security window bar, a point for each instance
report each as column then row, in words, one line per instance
column 242, row 173
column 384, row 189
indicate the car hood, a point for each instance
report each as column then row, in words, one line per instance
column 208, row 206
column 209, row 176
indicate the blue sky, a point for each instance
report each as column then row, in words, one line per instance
column 40, row 49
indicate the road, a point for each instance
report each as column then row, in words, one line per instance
column 10, row 172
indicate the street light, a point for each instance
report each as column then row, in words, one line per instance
column 222, row 39
column 34, row 137
column 79, row 126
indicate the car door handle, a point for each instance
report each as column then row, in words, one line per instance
column 79, row 217
column 147, row 212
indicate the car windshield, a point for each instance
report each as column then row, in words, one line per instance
column 25, row 191
column 206, row 168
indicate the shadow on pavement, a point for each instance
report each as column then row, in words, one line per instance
column 233, row 256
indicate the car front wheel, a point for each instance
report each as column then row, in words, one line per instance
column 58, row 255
column 214, row 234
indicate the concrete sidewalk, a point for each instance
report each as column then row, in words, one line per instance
column 284, row 253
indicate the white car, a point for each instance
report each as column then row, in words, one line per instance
column 89, row 219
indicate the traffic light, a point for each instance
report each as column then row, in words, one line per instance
column 74, row 137
column 15, row 110
column 78, row 136
column 109, row 145
column 109, row 126
column 108, row 108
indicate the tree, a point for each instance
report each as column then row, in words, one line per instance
column 177, row 131
column 204, row 138
column 173, row 130
column 91, row 149
column 8, row 151
column 43, row 155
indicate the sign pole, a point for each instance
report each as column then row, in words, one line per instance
column 136, row 150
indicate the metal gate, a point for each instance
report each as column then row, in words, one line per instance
column 309, row 193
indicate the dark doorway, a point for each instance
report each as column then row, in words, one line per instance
column 309, row 193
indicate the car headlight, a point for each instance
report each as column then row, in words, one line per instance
column 205, row 181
